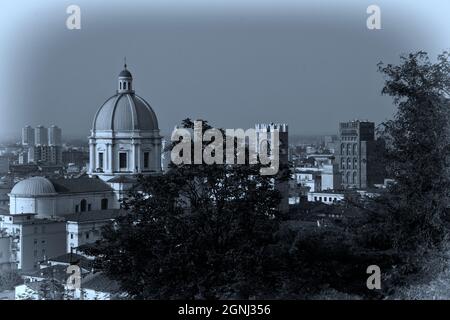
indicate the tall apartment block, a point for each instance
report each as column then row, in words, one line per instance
column 28, row 136
column 42, row 145
column 359, row 155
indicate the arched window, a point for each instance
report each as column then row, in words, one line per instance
column 342, row 148
column 349, row 163
column 355, row 177
column 343, row 163
column 355, row 149
column 83, row 205
column 120, row 85
column 355, row 163
column 104, row 204
column 349, row 149
column 347, row 177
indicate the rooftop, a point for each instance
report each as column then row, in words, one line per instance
column 97, row 215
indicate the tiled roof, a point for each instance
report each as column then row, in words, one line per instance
column 73, row 258
column 101, row 283
column 80, row 185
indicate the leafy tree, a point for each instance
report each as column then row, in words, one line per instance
column 418, row 149
column 9, row 279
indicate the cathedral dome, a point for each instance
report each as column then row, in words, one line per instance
column 34, row 186
column 125, row 112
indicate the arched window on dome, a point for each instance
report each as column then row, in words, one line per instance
column 83, row 205
column 124, row 86
column 120, row 85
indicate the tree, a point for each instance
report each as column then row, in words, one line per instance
column 9, row 279
column 418, row 149
column 198, row 231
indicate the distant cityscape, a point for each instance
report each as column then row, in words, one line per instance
column 56, row 197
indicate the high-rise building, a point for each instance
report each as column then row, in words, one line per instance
column 40, row 136
column 54, row 136
column 28, row 136
column 359, row 155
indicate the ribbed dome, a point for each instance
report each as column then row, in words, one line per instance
column 125, row 73
column 125, row 112
column 34, row 186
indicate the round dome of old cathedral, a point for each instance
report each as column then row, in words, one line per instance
column 125, row 138
column 125, row 111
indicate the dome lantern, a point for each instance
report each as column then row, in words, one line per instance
column 125, row 84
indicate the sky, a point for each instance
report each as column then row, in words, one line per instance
column 235, row 63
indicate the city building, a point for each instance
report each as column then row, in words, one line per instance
column 264, row 132
column 326, row 197
column 4, row 164
column 77, row 157
column 33, row 240
column 359, row 155
column 5, row 251
column 28, row 136
column 84, row 228
column 54, row 136
column 45, row 154
column 40, row 136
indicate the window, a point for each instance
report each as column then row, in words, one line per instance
column 355, row 163
column 83, row 205
column 87, row 235
column 77, row 208
column 355, row 149
column 315, row 198
column 71, row 236
column 100, row 160
column 146, row 160
column 124, row 85
column 120, row 85
column 348, row 149
column 329, row 199
column 355, row 177
column 122, row 160
column 104, row 204
column 89, row 207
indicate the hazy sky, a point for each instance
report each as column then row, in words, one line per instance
column 310, row 63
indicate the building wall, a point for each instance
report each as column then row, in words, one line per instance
column 41, row 240
column 356, row 143
column 134, row 148
column 5, row 252
column 327, row 198
column 80, row 233
column 61, row 204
